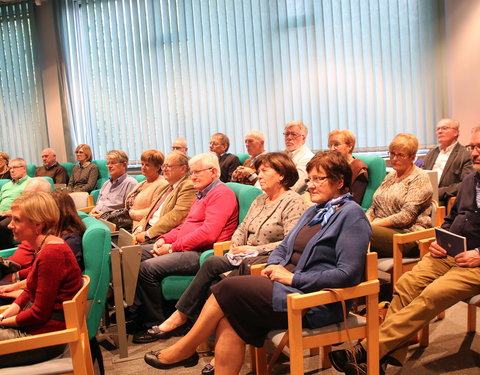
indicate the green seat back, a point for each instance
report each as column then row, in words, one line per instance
column 31, row 168
column 68, row 166
column 3, row 181
column 96, row 244
column 95, row 194
column 376, row 173
column 242, row 157
column 138, row 177
column 49, row 179
column 100, row 182
column 174, row 286
column 102, row 168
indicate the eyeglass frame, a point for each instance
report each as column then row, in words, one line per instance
column 471, row 148
column 317, row 180
column 393, row 155
column 169, row 166
column 293, row 134
column 195, row 173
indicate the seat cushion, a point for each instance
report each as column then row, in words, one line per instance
column 386, row 264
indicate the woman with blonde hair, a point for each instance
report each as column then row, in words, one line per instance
column 343, row 141
column 402, row 202
column 85, row 174
column 39, row 308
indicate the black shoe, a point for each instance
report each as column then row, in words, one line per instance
column 208, row 369
column 143, row 337
column 361, row 369
column 152, row 359
column 340, row 358
column 163, row 335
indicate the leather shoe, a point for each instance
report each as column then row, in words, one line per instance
column 341, row 358
column 152, row 359
column 208, row 369
column 155, row 331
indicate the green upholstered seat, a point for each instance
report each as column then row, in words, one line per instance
column 376, row 173
column 242, row 157
column 31, row 168
column 138, row 177
column 3, row 181
column 102, row 172
column 95, row 193
column 69, row 167
column 174, row 286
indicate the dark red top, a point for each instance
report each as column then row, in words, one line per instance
column 54, row 278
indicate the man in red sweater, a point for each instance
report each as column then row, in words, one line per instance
column 213, row 217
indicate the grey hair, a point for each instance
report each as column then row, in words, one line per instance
column 118, row 154
column 206, row 160
column 300, row 124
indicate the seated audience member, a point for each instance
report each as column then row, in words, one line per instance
column 246, row 173
column 450, row 159
column 173, row 201
column 4, row 170
column 85, row 174
column 8, row 193
column 51, row 168
column 140, row 199
column 219, row 144
column 402, row 202
column 295, row 134
column 271, row 216
column 54, row 278
column 326, row 249
column 70, row 228
column 114, row 192
column 343, row 141
column 180, row 145
column 213, row 217
column 436, row 283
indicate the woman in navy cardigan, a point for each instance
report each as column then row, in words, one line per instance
column 326, row 249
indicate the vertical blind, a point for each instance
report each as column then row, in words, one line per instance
column 140, row 73
column 22, row 115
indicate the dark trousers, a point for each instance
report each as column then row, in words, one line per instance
column 192, row 300
column 149, row 303
column 6, row 235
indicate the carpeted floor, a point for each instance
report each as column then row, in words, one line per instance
column 451, row 351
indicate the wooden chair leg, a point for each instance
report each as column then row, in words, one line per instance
column 314, row 352
column 471, row 318
column 325, row 360
column 424, row 336
column 260, row 360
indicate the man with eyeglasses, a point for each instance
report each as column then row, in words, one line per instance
column 246, row 173
column 213, row 217
column 173, row 202
column 295, row 133
column 450, row 159
column 180, row 145
column 8, row 193
column 219, row 144
column 115, row 190
column 51, row 168
column 437, row 282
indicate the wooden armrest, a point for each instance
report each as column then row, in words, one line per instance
column 86, row 209
column 414, row 236
column 38, row 341
column 423, row 246
column 256, row 269
column 220, row 248
column 323, row 297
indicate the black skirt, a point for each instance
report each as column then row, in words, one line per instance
column 246, row 302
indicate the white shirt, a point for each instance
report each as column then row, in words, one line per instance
column 442, row 158
column 301, row 156
column 156, row 215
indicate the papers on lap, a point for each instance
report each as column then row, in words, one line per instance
column 453, row 243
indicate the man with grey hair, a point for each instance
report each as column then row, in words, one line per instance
column 255, row 144
column 38, row 184
column 219, row 144
column 450, row 159
column 213, row 217
column 51, row 168
column 114, row 192
column 295, row 133
column 180, row 145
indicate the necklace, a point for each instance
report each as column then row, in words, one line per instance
column 41, row 244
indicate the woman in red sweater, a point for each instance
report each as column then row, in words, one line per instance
column 55, row 277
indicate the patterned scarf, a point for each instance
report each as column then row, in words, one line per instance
column 326, row 210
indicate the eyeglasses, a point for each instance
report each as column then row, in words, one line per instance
column 194, row 173
column 17, row 166
column 169, row 166
column 335, row 144
column 177, row 148
column 473, row 147
column 292, row 134
column 215, row 144
column 316, row 180
column 443, row 128
column 113, row 163
column 394, row 155
column 79, row 152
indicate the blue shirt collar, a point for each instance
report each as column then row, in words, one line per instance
column 202, row 194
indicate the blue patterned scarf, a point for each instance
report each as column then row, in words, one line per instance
column 326, row 210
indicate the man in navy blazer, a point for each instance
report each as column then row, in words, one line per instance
column 450, row 159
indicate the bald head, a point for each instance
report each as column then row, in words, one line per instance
column 38, row 184
column 49, row 157
column 180, row 144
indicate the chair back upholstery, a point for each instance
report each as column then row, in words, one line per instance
column 245, row 194
column 96, row 244
column 102, row 172
column 242, row 157
column 138, row 177
column 3, row 181
column 376, row 173
column 69, row 167
column 80, row 198
column 31, row 168
column 95, row 193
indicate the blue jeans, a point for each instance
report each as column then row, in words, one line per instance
column 148, row 297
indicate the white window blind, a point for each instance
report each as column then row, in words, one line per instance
column 140, row 73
